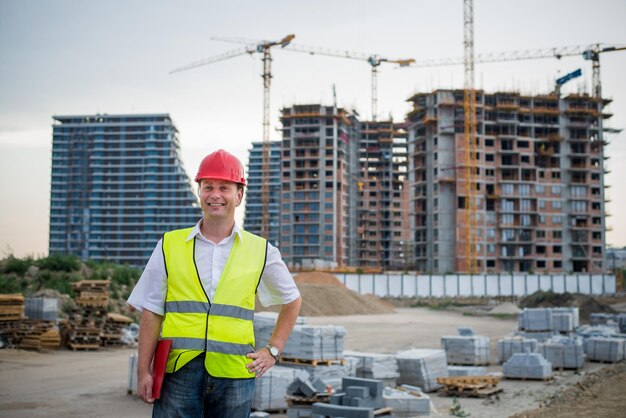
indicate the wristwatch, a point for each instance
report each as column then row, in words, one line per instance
column 273, row 352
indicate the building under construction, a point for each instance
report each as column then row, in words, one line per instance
column 538, row 176
column 254, row 202
column 383, row 235
column 318, row 219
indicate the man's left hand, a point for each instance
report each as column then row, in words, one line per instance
column 263, row 361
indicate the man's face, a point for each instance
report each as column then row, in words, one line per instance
column 219, row 198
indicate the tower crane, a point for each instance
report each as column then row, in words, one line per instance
column 263, row 47
column 469, row 137
column 374, row 60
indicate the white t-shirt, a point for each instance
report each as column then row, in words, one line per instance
column 277, row 286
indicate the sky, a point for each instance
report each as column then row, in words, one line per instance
column 84, row 57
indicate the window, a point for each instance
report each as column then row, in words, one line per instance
column 507, row 189
column 555, row 190
column 556, row 204
column 524, row 189
column 556, row 234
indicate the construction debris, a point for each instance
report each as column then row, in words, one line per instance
column 527, row 366
column 422, row 367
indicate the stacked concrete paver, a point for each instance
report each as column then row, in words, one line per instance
column 605, row 349
column 563, row 352
column 375, row 366
column 466, row 350
column 422, row 367
column 509, row 346
column 467, row 371
column 527, row 366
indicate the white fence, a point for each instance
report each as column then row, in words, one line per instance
column 411, row 285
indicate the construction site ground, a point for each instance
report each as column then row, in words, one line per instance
column 94, row 384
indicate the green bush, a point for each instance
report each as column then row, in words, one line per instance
column 10, row 284
column 59, row 262
column 125, row 275
column 17, row 265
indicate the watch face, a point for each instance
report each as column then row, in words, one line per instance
column 274, row 351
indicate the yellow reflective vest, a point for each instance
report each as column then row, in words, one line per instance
column 222, row 327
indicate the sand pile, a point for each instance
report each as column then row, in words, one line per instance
column 506, row 308
column 324, row 295
column 586, row 304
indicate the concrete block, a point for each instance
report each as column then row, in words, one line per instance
column 527, row 366
column 422, row 367
column 509, row 346
column 357, row 392
column 471, row 350
column 323, row 410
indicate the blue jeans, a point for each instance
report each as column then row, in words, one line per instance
column 192, row 393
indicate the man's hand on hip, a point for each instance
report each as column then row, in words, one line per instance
column 263, row 361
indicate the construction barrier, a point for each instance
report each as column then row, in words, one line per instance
column 451, row 285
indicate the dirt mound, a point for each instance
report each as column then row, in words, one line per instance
column 318, row 277
column 600, row 391
column 507, row 308
column 586, row 304
column 324, row 295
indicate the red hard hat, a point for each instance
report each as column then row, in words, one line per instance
column 221, row 165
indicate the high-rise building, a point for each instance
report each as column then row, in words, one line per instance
column 253, row 213
column 118, row 184
column 537, row 178
column 382, row 220
column 319, row 168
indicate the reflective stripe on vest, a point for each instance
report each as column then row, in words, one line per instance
column 190, row 306
column 223, row 328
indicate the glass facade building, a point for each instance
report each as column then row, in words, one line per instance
column 117, row 184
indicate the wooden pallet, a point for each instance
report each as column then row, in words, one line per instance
column 540, row 379
column 83, row 347
column 309, row 362
column 472, row 386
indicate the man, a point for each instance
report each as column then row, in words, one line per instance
column 199, row 289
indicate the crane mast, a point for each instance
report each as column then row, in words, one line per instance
column 469, row 138
column 263, row 47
